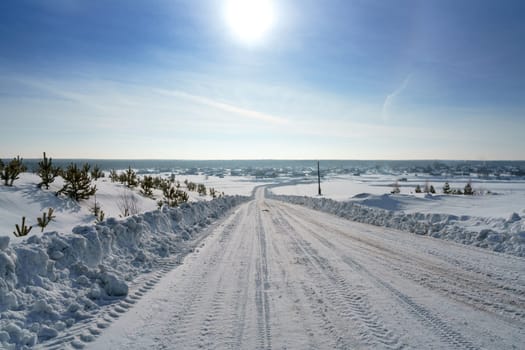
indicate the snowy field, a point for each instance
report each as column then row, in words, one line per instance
column 269, row 274
column 494, row 198
column 491, row 218
column 25, row 199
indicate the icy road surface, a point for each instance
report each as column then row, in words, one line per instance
column 278, row 276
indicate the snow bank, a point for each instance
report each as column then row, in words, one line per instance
column 497, row 234
column 50, row 282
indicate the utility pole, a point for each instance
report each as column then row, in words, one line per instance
column 319, row 177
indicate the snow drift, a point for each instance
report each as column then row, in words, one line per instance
column 50, row 282
column 497, row 234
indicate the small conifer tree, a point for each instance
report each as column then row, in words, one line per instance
column 100, row 217
column 47, row 172
column 96, row 173
column 174, row 197
column 418, row 189
column 77, row 183
column 147, row 186
column 22, row 230
column 10, row 172
column 396, row 188
column 95, row 209
column 468, row 189
column 113, row 176
column 201, row 189
column 45, row 219
column 130, row 178
column 446, row 188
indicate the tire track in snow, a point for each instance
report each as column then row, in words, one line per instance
column 304, row 318
column 189, row 326
column 83, row 332
column 468, row 287
column 432, row 321
column 262, row 286
column 447, row 333
column 225, row 324
column 349, row 304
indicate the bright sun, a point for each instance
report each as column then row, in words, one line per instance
column 249, row 20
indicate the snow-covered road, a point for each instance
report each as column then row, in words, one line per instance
column 279, row 276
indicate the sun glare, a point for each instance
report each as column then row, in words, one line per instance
column 249, row 20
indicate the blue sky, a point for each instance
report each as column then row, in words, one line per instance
column 349, row 79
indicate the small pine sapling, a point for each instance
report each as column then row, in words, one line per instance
column 396, row 188
column 157, row 182
column 113, row 176
column 45, row 219
column 47, row 172
column 170, row 196
column 164, row 185
column 174, row 197
column 468, row 189
column 418, row 189
column 432, row 189
column 182, row 197
column 100, row 217
column 77, row 183
column 446, row 188
column 147, row 186
column 130, row 178
column 11, row 171
column 191, row 186
column 22, row 230
column 95, row 209
column 201, row 189
column 96, row 173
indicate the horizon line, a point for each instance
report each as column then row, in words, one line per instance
column 283, row 159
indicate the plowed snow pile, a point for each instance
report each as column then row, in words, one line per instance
column 55, row 280
column 497, row 234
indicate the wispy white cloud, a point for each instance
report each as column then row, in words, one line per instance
column 390, row 99
column 225, row 107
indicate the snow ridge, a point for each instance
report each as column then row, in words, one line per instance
column 52, row 282
column 497, row 234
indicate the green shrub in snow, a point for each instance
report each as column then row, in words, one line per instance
column 10, row 172
column 45, row 219
column 147, row 186
column 77, row 183
column 47, row 171
column 22, row 230
column 96, row 173
column 468, row 189
column 129, row 178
